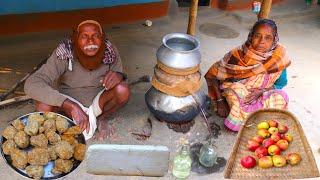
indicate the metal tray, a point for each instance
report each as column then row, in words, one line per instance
column 50, row 165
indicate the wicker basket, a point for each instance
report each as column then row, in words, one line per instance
column 307, row 167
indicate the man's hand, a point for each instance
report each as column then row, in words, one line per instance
column 111, row 79
column 76, row 113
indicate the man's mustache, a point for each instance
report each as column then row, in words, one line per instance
column 91, row 47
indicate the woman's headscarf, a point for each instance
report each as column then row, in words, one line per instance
column 244, row 62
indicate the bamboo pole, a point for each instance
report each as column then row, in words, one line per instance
column 265, row 9
column 192, row 17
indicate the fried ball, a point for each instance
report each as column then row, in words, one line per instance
column 61, row 124
column 70, row 139
column 50, row 115
column 79, row 151
column 38, row 156
column 19, row 158
column 41, row 129
column 52, row 154
column 64, row 150
column 35, row 172
column 32, row 127
column 22, row 139
column 74, row 130
column 36, row 117
column 53, row 137
column 39, row 141
column 61, row 165
column 9, row 132
column 50, row 125
column 18, row 125
column 8, row 146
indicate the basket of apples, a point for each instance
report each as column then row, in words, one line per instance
column 271, row 144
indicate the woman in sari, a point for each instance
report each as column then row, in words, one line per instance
column 250, row 77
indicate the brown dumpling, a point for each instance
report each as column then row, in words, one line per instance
column 35, row 172
column 64, row 150
column 8, row 146
column 32, row 127
column 53, row 137
column 39, row 141
column 50, row 115
column 52, row 154
column 18, row 125
column 19, row 158
column 38, row 156
column 9, row 132
column 50, row 125
column 74, row 130
column 70, row 139
column 36, row 117
column 61, row 124
column 79, row 151
column 62, row 166
column 22, row 139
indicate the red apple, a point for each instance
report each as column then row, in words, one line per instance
column 248, row 162
column 267, row 142
column 279, row 161
column 276, row 137
column 263, row 133
column 273, row 123
column 265, row 162
column 283, row 144
column 293, row 158
column 288, row 137
column 273, row 130
column 274, row 150
column 282, row 128
column 252, row 145
column 261, row 151
column 258, row 139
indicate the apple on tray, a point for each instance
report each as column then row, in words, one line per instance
column 258, row 139
column 252, row 145
column 279, row 161
column 263, row 133
column 276, row 137
column 293, row 158
column 261, row 151
column 263, row 125
column 274, row 150
column 265, row 162
column 248, row 162
column 288, row 137
column 268, row 142
column 283, row 144
column 282, row 128
column 273, row 123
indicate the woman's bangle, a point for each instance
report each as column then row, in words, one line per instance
column 218, row 100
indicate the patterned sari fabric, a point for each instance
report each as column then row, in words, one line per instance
column 244, row 69
column 236, row 92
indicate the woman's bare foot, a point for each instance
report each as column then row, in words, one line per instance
column 104, row 130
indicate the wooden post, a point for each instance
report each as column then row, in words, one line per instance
column 265, row 9
column 192, row 17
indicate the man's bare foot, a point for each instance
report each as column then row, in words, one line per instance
column 104, row 130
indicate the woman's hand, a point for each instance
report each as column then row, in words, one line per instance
column 222, row 108
column 77, row 114
column 254, row 95
column 111, row 79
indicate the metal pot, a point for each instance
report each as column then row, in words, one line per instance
column 174, row 109
column 179, row 51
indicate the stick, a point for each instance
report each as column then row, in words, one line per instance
column 192, row 17
column 15, row 92
column 14, row 87
column 14, row 100
column 265, row 9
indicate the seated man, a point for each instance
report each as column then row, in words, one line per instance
column 90, row 75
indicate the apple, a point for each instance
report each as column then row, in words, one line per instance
column 273, row 130
column 265, row 162
column 274, row 150
column 282, row 128
column 263, row 133
column 279, row 161
column 261, row 151
column 258, row 139
column 283, row 144
column 263, row 125
column 268, row 142
column 248, row 162
column 273, row 123
column 293, row 158
column 252, row 145
column 288, row 137
column 276, row 137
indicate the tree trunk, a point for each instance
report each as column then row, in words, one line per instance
column 192, row 17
